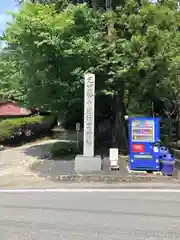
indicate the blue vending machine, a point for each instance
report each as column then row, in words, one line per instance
column 144, row 143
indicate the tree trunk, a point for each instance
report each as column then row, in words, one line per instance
column 169, row 128
column 94, row 4
column 178, row 123
column 120, row 125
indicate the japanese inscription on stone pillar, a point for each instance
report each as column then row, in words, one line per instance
column 89, row 103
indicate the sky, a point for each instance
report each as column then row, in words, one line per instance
column 5, row 6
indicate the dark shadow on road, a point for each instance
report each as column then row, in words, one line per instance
column 53, row 168
column 41, row 151
column 46, row 166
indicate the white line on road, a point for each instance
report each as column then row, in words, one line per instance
column 86, row 190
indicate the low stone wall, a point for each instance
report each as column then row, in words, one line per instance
column 176, row 154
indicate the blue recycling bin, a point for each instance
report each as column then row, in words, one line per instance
column 167, row 164
column 163, row 150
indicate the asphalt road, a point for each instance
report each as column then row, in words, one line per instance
column 90, row 215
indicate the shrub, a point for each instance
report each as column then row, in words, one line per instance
column 23, row 128
column 164, row 140
column 65, row 149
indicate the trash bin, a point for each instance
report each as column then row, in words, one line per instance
column 163, row 150
column 167, row 164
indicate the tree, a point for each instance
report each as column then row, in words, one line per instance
column 11, row 86
column 56, row 48
column 143, row 63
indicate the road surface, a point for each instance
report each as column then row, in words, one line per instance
column 90, row 215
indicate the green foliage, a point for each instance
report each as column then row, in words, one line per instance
column 12, row 83
column 11, row 128
column 55, row 50
column 64, row 149
column 164, row 140
column 134, row 51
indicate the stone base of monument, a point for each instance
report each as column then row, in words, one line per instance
column 84, row 164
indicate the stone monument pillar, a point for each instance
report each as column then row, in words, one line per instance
column 88, row 162
column 89, row 103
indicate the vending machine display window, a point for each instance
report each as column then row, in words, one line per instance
column 143, row 130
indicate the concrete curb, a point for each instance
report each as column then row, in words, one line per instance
column 176, row 154
column 158, row 173
column 178, row 169
column 114, row 179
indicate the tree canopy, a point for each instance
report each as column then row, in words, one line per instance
column 133, row 49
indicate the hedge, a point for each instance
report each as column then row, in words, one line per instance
column 65, row 149
column 22, row 128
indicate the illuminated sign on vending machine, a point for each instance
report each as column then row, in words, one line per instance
column 142, row 130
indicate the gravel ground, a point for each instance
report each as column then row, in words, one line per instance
column 29, row 166
column 15, row 165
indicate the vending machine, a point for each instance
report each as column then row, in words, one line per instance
column 144, row 143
